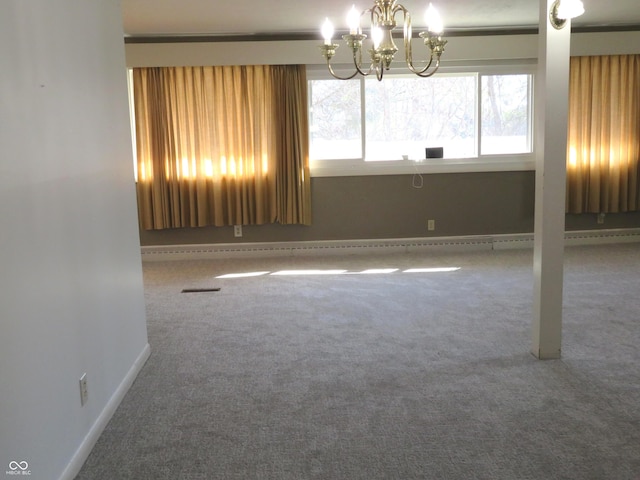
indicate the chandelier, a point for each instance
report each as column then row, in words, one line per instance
column 383, row 21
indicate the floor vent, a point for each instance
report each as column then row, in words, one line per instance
column 199, row 290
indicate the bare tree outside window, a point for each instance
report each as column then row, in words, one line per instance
column 506, row 126
column 335, row 120
column 406, row 115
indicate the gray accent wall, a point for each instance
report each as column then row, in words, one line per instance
column 389, row 206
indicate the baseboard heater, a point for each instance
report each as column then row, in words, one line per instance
column 337, row 247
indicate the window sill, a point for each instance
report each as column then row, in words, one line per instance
column 345, row 168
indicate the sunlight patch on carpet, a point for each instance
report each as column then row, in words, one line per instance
column 242, row 275
column 310, row 272
column 369, row 271
column 431, row 270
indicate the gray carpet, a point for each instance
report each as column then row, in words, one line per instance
column 382, row 376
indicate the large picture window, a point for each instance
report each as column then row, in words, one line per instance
column 476, row 117
column 405, row 115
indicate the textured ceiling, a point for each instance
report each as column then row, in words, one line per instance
column 251, row 17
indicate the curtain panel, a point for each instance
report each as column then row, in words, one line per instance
column 222, row 146
column 604, row 134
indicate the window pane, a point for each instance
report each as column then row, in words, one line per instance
column 406, row 115
column 506, row 126
column 334, row 120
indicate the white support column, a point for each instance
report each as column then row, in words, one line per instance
column 552, row 99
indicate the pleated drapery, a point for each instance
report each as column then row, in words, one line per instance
column 604, row 134
column 221, row 146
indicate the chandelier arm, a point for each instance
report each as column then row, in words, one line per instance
column 436, row 45
column 428, row 74
column 335, row 75
column 408, row 49
column 375, row 14
column 421, row 71
column 379, row 72
column 408, row 52
column 362, row 72
column 358, row 64
column 400, row 8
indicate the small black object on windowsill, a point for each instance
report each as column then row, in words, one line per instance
column 434, row 152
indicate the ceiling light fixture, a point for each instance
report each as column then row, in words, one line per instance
column 563, row 10
column 382, row 20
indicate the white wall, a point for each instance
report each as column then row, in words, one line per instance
column 71, row 292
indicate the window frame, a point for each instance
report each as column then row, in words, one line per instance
column 479, row 163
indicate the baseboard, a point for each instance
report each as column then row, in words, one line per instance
column 82, row 453
column 367, row 246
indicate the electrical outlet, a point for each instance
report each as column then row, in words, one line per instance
column 431, row 225
column 237, row 230
column 84, row 391
column 601, row 218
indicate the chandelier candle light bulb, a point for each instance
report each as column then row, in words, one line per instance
column 353, row 20
column 382, row 19
column 433, row 20
column 327, row 31
column 376, row 36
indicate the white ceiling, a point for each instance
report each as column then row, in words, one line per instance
column 257, row 17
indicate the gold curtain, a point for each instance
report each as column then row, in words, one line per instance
column 222, row 146
column 604, row 134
